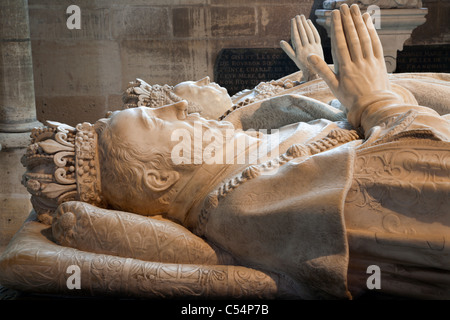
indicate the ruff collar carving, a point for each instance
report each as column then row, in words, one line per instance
column 62, row 165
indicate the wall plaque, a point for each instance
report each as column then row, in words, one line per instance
column 435, row 58
column 238, row 69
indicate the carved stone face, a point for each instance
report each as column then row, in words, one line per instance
column 147, row 135
column 212, row 98
column 154, row 126
column 144, row 126
column 161, row 129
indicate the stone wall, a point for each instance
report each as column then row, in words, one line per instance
column 80, row 74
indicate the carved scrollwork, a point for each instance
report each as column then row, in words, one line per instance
column 404, row 177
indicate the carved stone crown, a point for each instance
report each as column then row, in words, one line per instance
column 139, row 93
column 62, row 165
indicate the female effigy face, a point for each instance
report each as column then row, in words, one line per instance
column 212, row 98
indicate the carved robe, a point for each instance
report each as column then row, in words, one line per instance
column 385, row 202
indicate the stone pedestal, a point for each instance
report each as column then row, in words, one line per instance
column 395, row 25
column 17, row 114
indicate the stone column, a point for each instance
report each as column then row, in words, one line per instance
column 394, row 19
column 17, row 113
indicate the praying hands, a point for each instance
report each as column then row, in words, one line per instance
column 305, row 41
column 360, row 78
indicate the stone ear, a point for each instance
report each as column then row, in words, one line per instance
column 160, row 180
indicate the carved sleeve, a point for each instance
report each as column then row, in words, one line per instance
column 387, row 120
column 34, row 264
column 88, row 228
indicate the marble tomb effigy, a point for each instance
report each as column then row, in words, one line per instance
column 355, row 173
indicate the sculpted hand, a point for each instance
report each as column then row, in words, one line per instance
column 360, row 78
column 305, row 41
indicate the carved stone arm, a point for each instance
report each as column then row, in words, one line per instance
column 32, row 262
column 92, row 229
column 282, row 110
column 384, row 118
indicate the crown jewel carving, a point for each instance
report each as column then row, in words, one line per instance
column 62, row 165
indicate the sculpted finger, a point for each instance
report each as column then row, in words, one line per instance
column 363, row 33
column 353, row 43
column 339, row 47
column 287, row 49
column 295, row 37
column 377, row 48
column 315, row 32
column 308, row 30
column 301, row 30
column 322, row 69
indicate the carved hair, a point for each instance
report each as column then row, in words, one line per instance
column 123, row 168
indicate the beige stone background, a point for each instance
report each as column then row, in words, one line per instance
column 80, row 74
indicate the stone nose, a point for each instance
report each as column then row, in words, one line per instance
column 204, row 82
